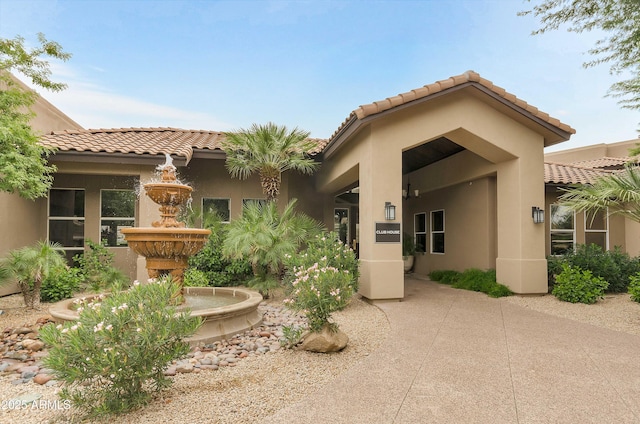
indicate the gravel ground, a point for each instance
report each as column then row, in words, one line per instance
column 259, row 386
column 255, row 388
column 615, row 312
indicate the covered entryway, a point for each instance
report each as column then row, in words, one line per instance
column 493, row 146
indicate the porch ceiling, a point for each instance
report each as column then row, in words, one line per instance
column 428, row 153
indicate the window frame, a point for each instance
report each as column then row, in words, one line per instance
column 433, row 232
column 587, row 230
column 70, row 251
column 420, row 234
column 553, row 231
column 119, row 237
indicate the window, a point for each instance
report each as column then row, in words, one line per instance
column 437, row 231
column 260, row 201
column 66, row 220
column 596, row 229
column 562, row 230
column 420, row 231
column 117, row 211
column 219, row 206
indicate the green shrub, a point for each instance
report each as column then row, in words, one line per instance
column 219, row 271
column 326, row 249
column 481, row 281
column 61, row 284
column 613, row 266
column 472, row 279
column 579, row 286
column 408, row 245
column 116, row 353
column 634, row 287
column 627, row 267
column 96, row 266
column 195, row 278
column 444, row 276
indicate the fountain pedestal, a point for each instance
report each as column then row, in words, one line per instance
column 167, row 245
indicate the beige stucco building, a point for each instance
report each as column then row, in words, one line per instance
column 24, row 221
column 462, row 160
column 583, row 165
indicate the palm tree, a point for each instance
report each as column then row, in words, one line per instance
column 269, row 150
column 264, row 236
column 617, row 193
column 30, row 266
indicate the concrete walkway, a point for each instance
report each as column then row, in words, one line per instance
column 455, row 356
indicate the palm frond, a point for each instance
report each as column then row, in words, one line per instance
column 269, row 149
column 617, row 193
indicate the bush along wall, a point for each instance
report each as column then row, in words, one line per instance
column 614, row 266
column 576, row 285
column 474, row 280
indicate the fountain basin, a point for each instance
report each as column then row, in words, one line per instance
column 168, row 193
column 170, row 243
column 219, row 323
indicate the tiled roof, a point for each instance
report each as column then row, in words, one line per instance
column 440, row 86
column 140, row 141
column 606, row 162
column 562, row 173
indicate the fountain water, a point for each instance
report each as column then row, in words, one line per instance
column 167, row 246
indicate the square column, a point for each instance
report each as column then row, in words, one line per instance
column 381, row 265
column 521, row 264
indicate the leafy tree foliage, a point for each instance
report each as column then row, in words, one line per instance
column 23, row 160
column 620, row 47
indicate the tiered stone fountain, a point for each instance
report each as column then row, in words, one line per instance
column 167, row 246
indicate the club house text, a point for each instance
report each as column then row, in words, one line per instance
column 387, row 232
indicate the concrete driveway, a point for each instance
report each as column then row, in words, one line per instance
column 455, row 356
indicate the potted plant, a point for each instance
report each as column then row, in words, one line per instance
column 408, row 250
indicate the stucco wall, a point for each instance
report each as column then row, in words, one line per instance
column 22, row 223
column 470, row 225
column 497, row 142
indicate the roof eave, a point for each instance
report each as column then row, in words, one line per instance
column 114, row 158
column 553, row 134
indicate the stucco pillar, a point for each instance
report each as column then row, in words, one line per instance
column 381, row 265
column 521, row 263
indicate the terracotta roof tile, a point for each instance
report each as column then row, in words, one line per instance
column 606, row 162
column 140, row 141
column 562, row 173
column 468, row 77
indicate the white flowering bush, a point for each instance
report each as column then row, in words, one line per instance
column 321, row 280
column 115, row 354
column 317, row 292
column 328, row 250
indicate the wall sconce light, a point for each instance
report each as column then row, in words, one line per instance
column 416, row 193
column 389, row 211
column 537, row 214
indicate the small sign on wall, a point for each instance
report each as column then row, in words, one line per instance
column 388, row 232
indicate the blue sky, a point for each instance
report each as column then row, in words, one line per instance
column 224, row 65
